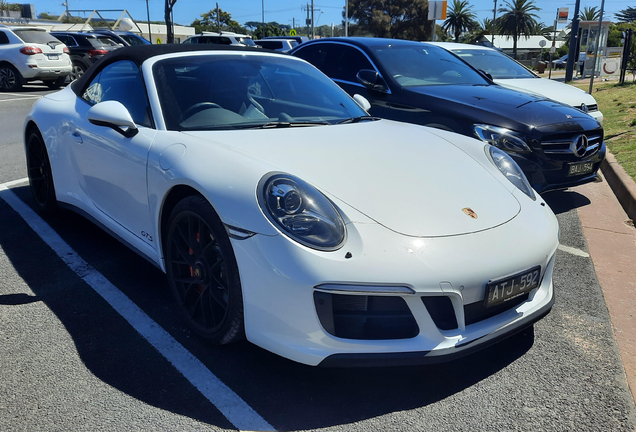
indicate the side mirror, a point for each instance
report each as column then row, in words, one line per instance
column 362, row 101
column 372, row 80
column 114, row 115
column 486, row 74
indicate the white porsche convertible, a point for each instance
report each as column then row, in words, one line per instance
column 281, row 212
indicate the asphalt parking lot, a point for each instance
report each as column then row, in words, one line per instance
column 71, row 361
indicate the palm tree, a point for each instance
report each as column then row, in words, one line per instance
column 460, row 18
column 590, row 14
column 517, row 20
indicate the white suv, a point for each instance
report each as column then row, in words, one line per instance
column 221, row 38
column 31, row 54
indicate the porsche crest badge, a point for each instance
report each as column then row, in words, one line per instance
column 470, row 212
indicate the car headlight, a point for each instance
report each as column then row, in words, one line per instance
column 502, row 138
column 301, row 211
column 510, row 170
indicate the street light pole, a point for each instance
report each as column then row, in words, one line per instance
column 347, row 18
column 598, row 40
column 148, row 12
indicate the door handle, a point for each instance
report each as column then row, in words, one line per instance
column 77, row 137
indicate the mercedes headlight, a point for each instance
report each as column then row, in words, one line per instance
column 510, row 170
column 301, row 211
column 502, row 138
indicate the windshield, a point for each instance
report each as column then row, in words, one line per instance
column 225, row 92
column 36, row 36
column 420, row 65
column 497, row 64
column 246, row 41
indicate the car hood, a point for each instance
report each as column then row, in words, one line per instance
column 495, row 104
column 402, row 176
column 555, row 90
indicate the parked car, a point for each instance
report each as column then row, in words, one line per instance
column 124, row 38
column 505, row 71
column 298, row 39
column 84, row 49
column 31, row 54
column 282, row 212
column 279, row 45
column 220, row 38
column 560, row 62
column 556, row 145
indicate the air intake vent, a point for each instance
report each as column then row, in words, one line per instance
column 365, row 317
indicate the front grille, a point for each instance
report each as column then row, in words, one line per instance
column 365, row 317
column 566, row 145
column 592, row 107
column 440, row 308
column 475, row 312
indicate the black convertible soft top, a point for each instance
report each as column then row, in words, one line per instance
column 141, row 53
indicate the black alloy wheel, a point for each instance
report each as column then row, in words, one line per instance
column 77, row 71
column 40, row 174
column 10, row 78
column 203, row 273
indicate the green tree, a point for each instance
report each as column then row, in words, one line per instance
column 626, row 15
column 271, row 28
column 590, row 14
column 517, row 20
column 208, row 22
column 398, row 19
column 460, row 18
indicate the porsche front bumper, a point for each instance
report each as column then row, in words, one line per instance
column 280, row 280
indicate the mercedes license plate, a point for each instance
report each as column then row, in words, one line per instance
column 580, row 168
column 501, row 291
column 53, row 57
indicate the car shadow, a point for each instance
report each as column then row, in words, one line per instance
column 288, row 395
column 562, row 201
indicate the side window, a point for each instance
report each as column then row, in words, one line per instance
column 4, row 39
column 348, row 62
column 121, row 81
column 317, row 55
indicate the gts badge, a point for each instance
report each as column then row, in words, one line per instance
column 147, row 236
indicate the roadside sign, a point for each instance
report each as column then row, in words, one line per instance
column 158, row 41
column 437, row 10
column 562, row 15
column 292, row 32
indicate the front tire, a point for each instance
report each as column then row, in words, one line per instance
column 40, row 174
column 10, row 78
column 203, row 272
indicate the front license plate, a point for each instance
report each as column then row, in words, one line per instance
column 506, row 289
column 580, row 168
column 53, row 57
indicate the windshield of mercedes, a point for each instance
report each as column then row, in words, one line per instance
column 421, row 65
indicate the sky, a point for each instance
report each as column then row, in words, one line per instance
column 286, row 11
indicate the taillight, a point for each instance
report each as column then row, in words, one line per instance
column 66, row 51
column 97, row 52
column 29, row 50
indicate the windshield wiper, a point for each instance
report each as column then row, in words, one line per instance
column 359, row 119
column 280, row 124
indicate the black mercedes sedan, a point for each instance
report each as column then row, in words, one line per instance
column 556, row 145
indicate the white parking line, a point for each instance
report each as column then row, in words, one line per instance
column 21, row 98
column 574, row 251
column 239, row 413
